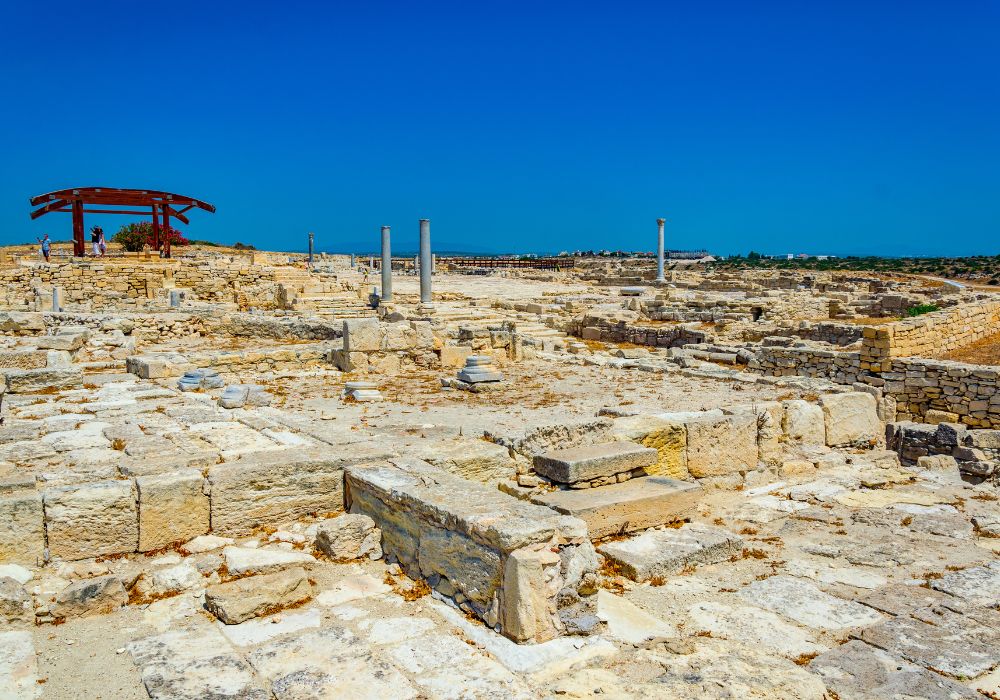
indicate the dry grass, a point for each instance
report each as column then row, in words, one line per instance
column 985, row 351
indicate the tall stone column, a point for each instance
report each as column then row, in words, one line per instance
column 425, row 261
column 386, row 266
column 310, row 248
column 659, row 251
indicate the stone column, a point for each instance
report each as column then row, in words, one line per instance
column 175, row 299
column 386, row 266
column 425, row 261
column 310, row 248
column 57, row 299
column 659, row 251
column 352, row 261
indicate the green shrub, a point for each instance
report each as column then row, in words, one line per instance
column 920, row 309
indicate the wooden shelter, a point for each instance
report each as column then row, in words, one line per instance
column 108, row 200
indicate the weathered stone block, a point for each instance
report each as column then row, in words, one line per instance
column 625, row 507
column 349, row 536
column 30, row 381
column 92, row 519
column 255, row 596
column 172, row 508
column 455, row 355
column 669, row 551
column 668, row 438
column 362, row 335
column 93, row 596
column 721, row 445
column 589, row 462
column 850, row 419
column 803, row 423
column 22, row 527
column 273, row 487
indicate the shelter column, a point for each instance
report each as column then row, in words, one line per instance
column 156, row 228
column 425, row 261
column 386, row 265
column 659, row 251
column 79, row 247
column 166, row 231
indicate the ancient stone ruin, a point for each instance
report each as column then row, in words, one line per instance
column 236, row 475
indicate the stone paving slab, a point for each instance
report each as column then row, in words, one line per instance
column 954, row 644
column 979, row 584
column 632, row 505
column 802, row 602
column 858, row 670
column 590, row 462
column 194, row 664
column 659, row 553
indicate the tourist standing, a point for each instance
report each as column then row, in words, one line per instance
column 102, row 244
column 95, row 234
column 46, row 246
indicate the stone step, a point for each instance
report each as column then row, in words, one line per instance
column 659, row 553
column 632, row 505
column 590, row 462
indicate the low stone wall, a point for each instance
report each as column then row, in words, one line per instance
column 148, row 511
column 514, row 565
column 281, row 358
column 976, row 453
column 619, row 331
column 385, row 347
column 931, row 334
column 968, row 394
column 110, row 283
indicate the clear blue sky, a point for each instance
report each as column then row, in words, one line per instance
column 840, row 127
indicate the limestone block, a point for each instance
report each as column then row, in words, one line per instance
column 476, row 460
column 349, row 536
column 22, row 527
column 30, row 381
column 589, row 462
column 803, row 423
column 255, row 596
column 668, row 438
column 718, row 446
column 527, row 612
column 669, row 551
column 423, row 335
column 172, row 508
column 454, row 355
column 850, row 419
column 92, row 596
column 15, row 603
column 241, row 561
column 92, row 519
column 273, row 487
column 399, row 337
column 362, row 335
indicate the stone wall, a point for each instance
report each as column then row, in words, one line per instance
column 613, row 330
column 518, row 567
column 385, row 347
column 968, row 394
column 109, row 284
column 931, row 334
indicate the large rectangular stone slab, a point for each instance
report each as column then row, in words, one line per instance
column 254, row 596
column 497, row 556
column 22, row 527
column 851, row 419
column 192, row 664
column 589, row 462
column 30, row 381
column 91, row 520
column 857, row 670
column 632, row 505
column 659, row 553
column 173, row 507
column 721, row 445
column 954, row 644
column 804, row 603
column 274, row 487
column 668, row 438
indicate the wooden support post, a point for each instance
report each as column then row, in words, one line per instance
column 79, row 245
column 156, row 229
column 166, row 231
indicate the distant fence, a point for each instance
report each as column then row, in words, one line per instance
column 525, row 263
